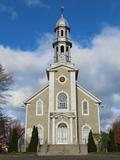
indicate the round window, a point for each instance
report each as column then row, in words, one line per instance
column 62, row 79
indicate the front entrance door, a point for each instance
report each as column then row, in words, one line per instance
column 62, row 134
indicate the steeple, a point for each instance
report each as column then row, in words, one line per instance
column 62, row 44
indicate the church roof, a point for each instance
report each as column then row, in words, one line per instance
column 89, row 94
column 35, row 94
column 62, row 22
column 54, row 67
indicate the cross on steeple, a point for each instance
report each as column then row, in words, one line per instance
column 62, row 10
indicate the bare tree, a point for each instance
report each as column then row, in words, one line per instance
column 5, row 81
column 116, row 130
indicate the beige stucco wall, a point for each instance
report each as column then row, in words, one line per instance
column 92, row 118
column 32, row 118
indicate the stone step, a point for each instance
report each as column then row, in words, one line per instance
column 62, row 150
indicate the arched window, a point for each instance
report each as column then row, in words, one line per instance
column 56, row 49
column 85, row 134
column 39, row 107
column 62, row 33
column 62, row 134
column 62, row 101
column 67, row 49
column 85, row 107
column 57, row 33
column 62, row 49
column 40, row 134
column 66, row 33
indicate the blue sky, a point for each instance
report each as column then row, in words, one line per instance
column 26, row 36
column 24, row 21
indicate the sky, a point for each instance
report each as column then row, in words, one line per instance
column 26, row 36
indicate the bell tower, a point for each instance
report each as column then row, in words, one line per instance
column 62, row 44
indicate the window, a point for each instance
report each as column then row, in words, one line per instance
column 62, row 101
column 29, row 132
column 62, row 134
column 85, row 107
column 39, row 107
column 67, row 49
column 62, row 49
column 40, row 134
column 85, row 134
column 56, row 49
column 62, row 33
column 57, row 33
column 66, row 33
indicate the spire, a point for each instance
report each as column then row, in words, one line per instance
column 62, row 44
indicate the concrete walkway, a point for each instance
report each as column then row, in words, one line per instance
column 34, row 157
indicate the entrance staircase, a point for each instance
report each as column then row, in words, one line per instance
column 61, row 149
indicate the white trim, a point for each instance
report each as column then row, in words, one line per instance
column 63, row 66
column 48, row 127
column 68, row 131
column 26, row 116
column 76, row 129
column 39, row 125
column 98, row 107
column 85, row 125
column 53, row 131
column 86, row 92
column 36, row 94
column 51, row 92
column 71, row 130
column 85, row 114
column 62, row 110
column 73, row 92
column 39, row 114
column 51, row 101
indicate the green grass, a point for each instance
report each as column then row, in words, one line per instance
column 105, row 154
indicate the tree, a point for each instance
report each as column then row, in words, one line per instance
column 5, row 81
column 32, row 147
column 4, row 129
column 111, row 142
column 13, row 146
column 91, row 144
column 103, row 143
column 116, row 130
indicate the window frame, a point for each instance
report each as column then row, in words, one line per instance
column 83, row 113
column 62, row 33
column 83, row 136
column 39, row 114
column 57, row 105
column 62, row 49
column 41, row 137
column 62, row 104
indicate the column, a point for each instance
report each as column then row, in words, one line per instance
column 71, row 130
column 53, row 130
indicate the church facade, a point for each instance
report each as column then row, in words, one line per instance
column 63, row 111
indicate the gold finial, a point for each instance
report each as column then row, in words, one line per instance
column 62, row 10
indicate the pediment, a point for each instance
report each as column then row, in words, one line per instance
column 62, row 114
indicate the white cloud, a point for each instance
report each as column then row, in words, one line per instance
column 9, row 10
column 116, row 98
column 99, row 67
column 34, row 3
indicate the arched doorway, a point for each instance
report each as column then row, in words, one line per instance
column 62, row 134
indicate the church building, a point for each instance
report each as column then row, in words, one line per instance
column 63, row 110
